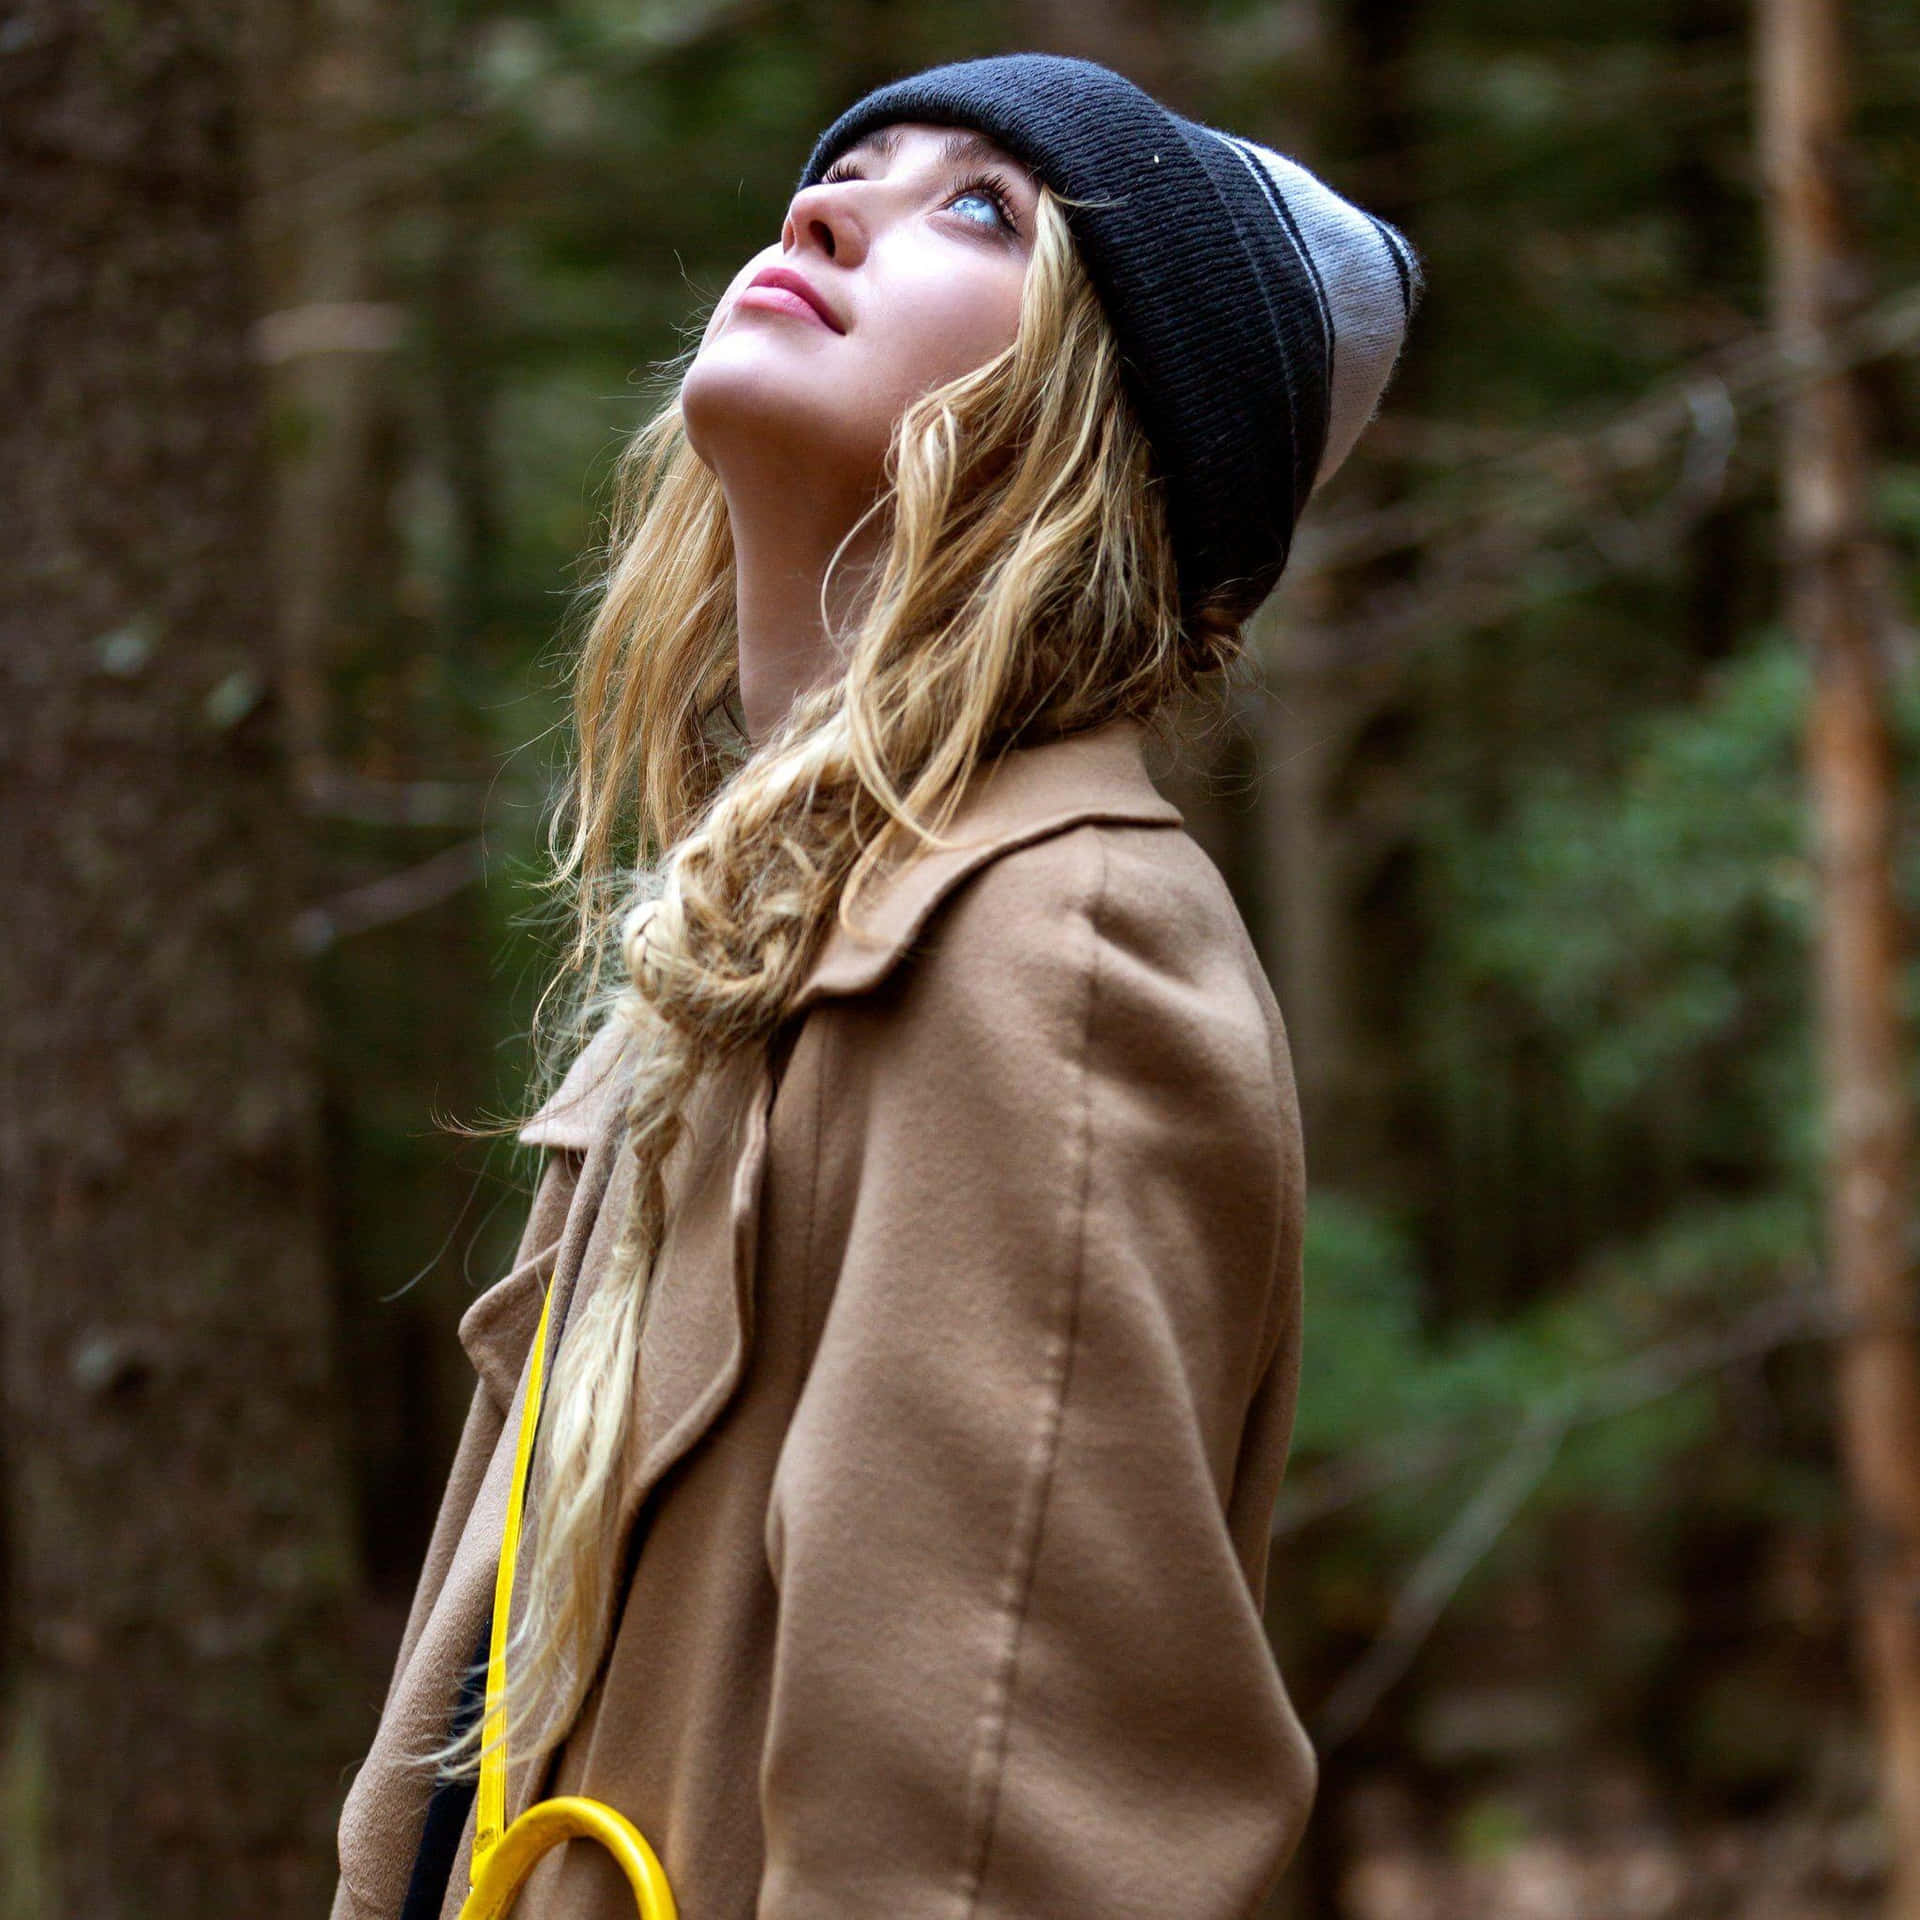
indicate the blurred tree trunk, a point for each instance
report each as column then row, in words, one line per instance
column 1329, row 819
column 1313, row 714
column 1834, row 604
column 327, row 77
column 320, row 87
column 179, row 1566
column 380, row 387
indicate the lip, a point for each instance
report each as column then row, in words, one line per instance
column 783, row 280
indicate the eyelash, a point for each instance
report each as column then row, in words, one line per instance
column 990, row 185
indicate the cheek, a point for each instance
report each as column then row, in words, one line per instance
column 943, row 323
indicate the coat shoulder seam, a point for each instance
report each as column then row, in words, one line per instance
column 1023, row 1555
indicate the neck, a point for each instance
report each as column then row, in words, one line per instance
column 782, row 542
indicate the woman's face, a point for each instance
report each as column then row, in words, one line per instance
column 903, row 268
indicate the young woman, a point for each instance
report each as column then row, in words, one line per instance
column 920, row 1228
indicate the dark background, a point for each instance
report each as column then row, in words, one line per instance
column 322, row 324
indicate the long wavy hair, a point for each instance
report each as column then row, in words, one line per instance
column 1024, row 589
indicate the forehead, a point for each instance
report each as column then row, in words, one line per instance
column 946, row 146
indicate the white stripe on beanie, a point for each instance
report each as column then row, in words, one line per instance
column 1368, row 280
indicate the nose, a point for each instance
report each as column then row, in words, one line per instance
column 823, row 217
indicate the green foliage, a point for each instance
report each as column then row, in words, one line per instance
column 1372, row 1380
column 1651, row 931
column 1646, row 931
column 1489, row 1827
column 1654, row 927
column 1363, row 1338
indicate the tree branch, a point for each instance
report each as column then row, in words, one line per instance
column 1798, row 1312
column 393, row 897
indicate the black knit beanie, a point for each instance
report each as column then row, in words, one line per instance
column 1259, row 315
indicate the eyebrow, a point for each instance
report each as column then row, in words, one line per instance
column 962, row 143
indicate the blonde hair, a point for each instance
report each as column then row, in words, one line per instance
column 1025, row 589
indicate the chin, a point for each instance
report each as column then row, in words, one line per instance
column 759, row 410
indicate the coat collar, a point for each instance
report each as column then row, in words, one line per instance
column 573, row 1116
column 1027, row 795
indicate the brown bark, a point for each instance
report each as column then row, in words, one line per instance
column 321, row 83
column 1833, row 603
column 179, row 1571
column 1312, row 719
column 403, row 1003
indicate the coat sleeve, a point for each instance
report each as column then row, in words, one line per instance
column 1020, row 1666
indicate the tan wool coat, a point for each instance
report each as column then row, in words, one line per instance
column 963, row 1404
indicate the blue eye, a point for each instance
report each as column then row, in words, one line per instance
column 984, row 199
column 988, row 187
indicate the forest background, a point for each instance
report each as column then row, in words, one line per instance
column 322, row 323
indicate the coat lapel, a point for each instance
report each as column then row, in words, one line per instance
column 582, row 1115
column 693, row 1353
column 381, row 1821
column 700, row 1322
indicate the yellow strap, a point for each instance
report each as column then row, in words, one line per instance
column 490, row 1812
